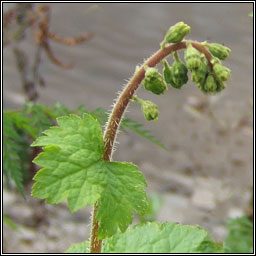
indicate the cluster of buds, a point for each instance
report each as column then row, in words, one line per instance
column 210, row 77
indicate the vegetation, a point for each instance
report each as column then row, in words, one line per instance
column 76, row 156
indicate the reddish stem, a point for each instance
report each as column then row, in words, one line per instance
column 119, row 109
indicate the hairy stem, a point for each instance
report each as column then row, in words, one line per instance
column 119, row 109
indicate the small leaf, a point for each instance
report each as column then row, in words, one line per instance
column 140, row 129
column 153, row 237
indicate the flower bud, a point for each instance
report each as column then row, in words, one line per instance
column 177, row 32
column 222, row 73
column 167, row 72
column 150, row 110
column 200, row 86
column 179, row 74
column 221, row 86
column 154, row 81
column 210, row 84
column 199, row 75
column 215, row 60
column 219, row 51
column 192, row 58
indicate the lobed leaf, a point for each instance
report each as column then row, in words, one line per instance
column 122, row 194
column 154, row 205
column 72, row 161
column 73, row 169
column 154, row 237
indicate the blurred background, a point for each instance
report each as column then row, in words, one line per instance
column 207, row 174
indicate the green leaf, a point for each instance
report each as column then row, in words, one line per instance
column 74, row 169
column 139, row 129
column 39, row 118
column 72, row 161
column 153, row 237
column 60, row 110
column 9, row 222
column 209, row 246
column 122, row 194
column 240, row 236
column 8, row 127
column 12, row 143
column 102, row 116
column 155, row 203
column 83, row 247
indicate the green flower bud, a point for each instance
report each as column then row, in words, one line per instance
column 192, row 57
column 167, row 72
column 177, row 32
column 210, row 84
column 150, row 110
column 200, row 86
column 218, row 50
column 199, row 75
column 221, row 86
column 222, row 73
column 215, row 60
column 179, row 74
column 154, row 81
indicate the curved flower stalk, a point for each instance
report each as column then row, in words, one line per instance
column 202, row 59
